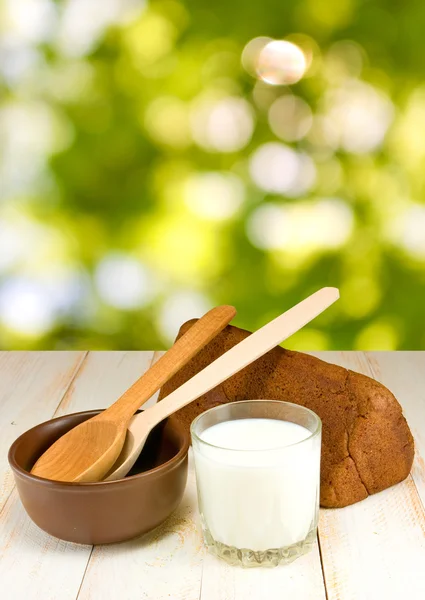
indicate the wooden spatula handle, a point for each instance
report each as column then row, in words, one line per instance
column 198, row 336
column 243, row 353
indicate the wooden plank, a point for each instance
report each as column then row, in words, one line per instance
column 31, row 386
column 404, row 374
column 300, row 580
column 165, row 563
column 51, row 568
column 34, row 565
column 376, row 547
column 102, row 379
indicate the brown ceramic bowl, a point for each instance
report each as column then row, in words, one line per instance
column 104, row 512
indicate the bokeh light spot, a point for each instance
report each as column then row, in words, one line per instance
column 82, row 23
column 30, row 20
column 308, row 339
column 304, row 227
column 290, row 118
column 344, row 59
column 251, row 53
column 360, row 116
column 71, row 81
column 407, row 230
column 178, row 308
column 183, row 248
column 264, row 95
column 151, row 38
column 30, row 131
column 123, row 282
column 281, row 63
column 214, row 196
column 359, row 296
column 309, row 48
column 13, row 246
column 279, row 169
column 408, row 140
column 222, row 125
column 330, row 176
column 28, row 245
column 167, row 121
column 26, row 307
column 379, row 335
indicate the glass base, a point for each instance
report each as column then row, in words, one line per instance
column 266, row 558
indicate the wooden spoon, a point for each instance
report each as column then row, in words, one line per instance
column 87, row 452
column 226, row 365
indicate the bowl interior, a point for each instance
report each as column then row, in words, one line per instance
column 163, row 443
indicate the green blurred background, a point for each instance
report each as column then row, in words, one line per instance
column 162, row 157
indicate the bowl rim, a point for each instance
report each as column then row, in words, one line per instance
column 173, row 462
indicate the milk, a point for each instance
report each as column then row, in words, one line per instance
column 257, row 485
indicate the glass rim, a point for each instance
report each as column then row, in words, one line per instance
column 314, row 433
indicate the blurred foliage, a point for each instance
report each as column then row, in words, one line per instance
column 147, row 175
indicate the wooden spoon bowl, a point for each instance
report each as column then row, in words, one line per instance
column 105, row 442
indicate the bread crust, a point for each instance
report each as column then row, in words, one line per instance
column 367, row 445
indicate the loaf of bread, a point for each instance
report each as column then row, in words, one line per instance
column 366, row 443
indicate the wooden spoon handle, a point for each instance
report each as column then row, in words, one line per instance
column 198, row 336
column 242, row 354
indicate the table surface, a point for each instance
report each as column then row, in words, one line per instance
column 374, row 549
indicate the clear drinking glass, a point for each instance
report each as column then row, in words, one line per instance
column 258, row 507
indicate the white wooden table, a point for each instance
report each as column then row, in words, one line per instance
column 374, row 549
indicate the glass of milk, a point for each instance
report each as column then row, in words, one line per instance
column 258, row 475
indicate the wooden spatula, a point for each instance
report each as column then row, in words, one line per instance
column 226, row 365
column 87, row 452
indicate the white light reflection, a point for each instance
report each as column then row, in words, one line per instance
column 26, row 306
column 17, row 59
column 31, row 305
column 178, row 308
column 13, row 245
column 30, row 131
column 214, row 196
column 123, row 282
column 265, row 228
column 27, row 244
column 359, row 115
column 69, row 290
column 413, row 231
column 222, row 125
column 278, row 169
column 31, row 21
column 82, row 23
column 290, row 118
column 303, row 227
column 281, row 63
